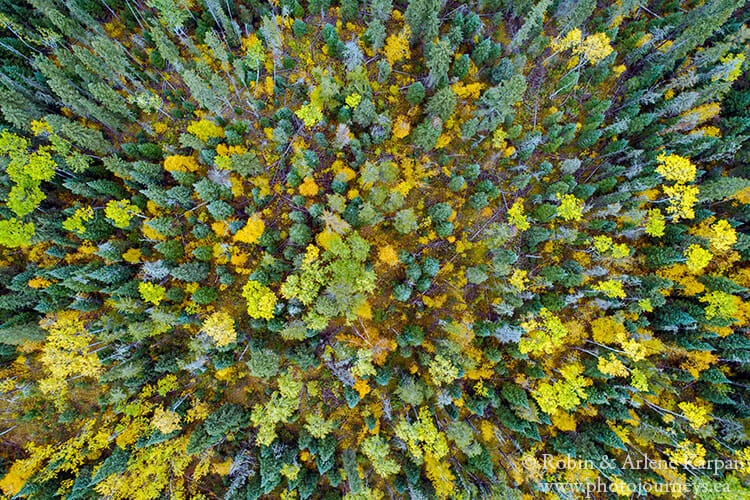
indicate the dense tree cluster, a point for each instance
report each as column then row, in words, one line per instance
column 369, row 249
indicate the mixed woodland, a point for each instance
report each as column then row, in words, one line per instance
column 374, row 249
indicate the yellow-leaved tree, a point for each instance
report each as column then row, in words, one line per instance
column 67, row 353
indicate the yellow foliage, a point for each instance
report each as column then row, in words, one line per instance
column 150, row 470
column 439, row 473
column 655, row 223
column 308, row 188
column 697, row 258
column 165, row 421
column 606, row 330
column 353, row 100
column 252, row 231
column 311, row 254
column 74, row 223
column 696, row 414
column 724, row 236
column 362, row 387
column 261, row 301
column 325, row 238
column 219, row 326
column 721, row 304
column 566, row 393
column 542, row 336
column 571, row 39
column 518, row 279
column 682, row 198
column 611, row 288
column 688, row 453
column 66, row 352
column 701, row 113
column 699, row 361
column 205, row 129
column 179, row 163
column 675, row 168
column 199, row 411
column 19, row 473
column 734, row 63
column 38, row 282
column 132, row 255
column 467, row 91
column 498, row 138
column 397, row 46
column 120, row 212
column 571, row 208
column 223, row 468
column 151, row 292
column 594, row 48
column 151, row 233
column 517, row 217
column 364, row 310
column 225, row 150
column 564, row 421
column 401, row 127
column 612, row 366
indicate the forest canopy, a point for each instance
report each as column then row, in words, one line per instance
column 374, row 249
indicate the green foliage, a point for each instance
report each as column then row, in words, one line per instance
column 15, row 233
column 370, row 248
column 263, row 363
column 114, row 463
column 171, row 249
column 405, row 221
column 415, row 93
column 438, row 57
column 476, row 275
column 205, row 295
column 376, row 449
column 426, row 134
column 401, row 292
column 422, row 16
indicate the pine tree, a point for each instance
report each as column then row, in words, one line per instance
column 530, row 23
column 422, row 16
column 438, row 56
